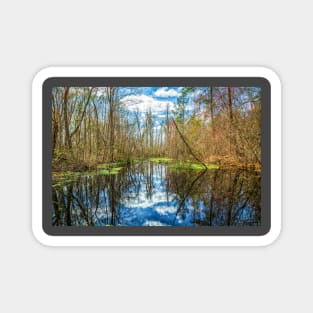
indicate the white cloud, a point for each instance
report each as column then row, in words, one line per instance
column 164, row 92
column 100, row 91
column 143, row 103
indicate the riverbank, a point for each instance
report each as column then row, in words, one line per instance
column 66, row 174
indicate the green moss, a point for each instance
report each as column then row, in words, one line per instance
column 136, row 160
column 193, row 166
column 62, row 178
column 111, row 165
column 161, row 160
column 65, row 175
column 111, row 171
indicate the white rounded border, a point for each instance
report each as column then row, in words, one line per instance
column 276, row 125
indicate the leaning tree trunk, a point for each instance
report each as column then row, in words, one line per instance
column 187, row 145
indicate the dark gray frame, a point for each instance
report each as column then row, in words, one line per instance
column 260, row 230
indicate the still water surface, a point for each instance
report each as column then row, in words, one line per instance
column 151, row 194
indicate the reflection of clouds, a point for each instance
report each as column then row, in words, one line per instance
column 153, row 223
column 150, row 200
column 166, row 210
column 140, row 201
column 150, row 208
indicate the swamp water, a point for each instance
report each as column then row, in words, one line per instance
column 154, row 194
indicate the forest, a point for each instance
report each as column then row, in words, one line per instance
column 206, row 125
column 181, row 155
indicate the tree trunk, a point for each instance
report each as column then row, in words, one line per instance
column 230, row 105
column 110, row 94
column 187, row 145
column 67, row 131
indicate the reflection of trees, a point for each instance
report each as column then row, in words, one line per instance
column 96, row 200
column 185, row 193
column 90, row 200
column 219, row 198
column 207, row 198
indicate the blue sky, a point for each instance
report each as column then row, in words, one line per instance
column 156, row 99
column 144, row 98
column 155, row 92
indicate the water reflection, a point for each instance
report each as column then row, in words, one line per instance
column 149, row 194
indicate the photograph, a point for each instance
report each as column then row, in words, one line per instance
column 156, row 156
